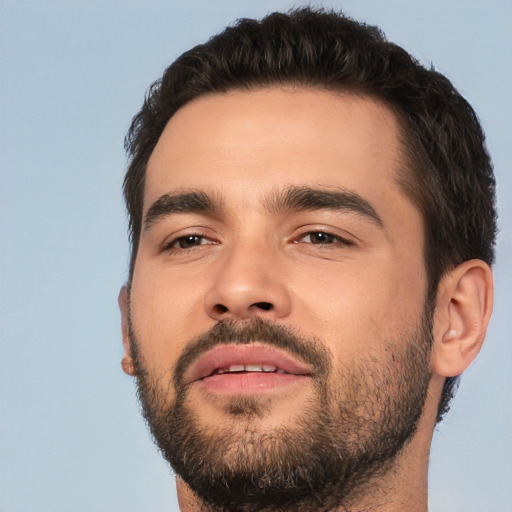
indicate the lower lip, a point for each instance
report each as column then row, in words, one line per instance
column 248, row 383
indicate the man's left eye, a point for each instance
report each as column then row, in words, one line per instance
column 320, row 238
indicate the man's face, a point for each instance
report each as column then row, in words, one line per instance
column 278, row 291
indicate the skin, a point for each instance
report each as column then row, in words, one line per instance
column 363, row 285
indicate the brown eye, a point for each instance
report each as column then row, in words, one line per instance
column 320, row 238
column 186, row 242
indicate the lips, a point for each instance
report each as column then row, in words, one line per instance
column 263, row 362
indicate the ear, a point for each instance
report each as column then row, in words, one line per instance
column 463, row 310
column 124, row 306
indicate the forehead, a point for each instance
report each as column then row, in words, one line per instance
column 248, row 141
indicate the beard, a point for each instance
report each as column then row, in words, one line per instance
column 356, row 421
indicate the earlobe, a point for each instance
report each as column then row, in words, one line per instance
column 124, row 307
column 463, row 310
column 128, row 366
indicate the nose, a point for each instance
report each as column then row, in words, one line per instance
column 247, row 282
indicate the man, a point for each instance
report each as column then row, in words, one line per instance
column 312, row 225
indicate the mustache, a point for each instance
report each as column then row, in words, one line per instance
column 310, row 350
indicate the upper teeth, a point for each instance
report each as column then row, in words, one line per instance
column 250, row 368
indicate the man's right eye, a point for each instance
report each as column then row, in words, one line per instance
column 187, row 242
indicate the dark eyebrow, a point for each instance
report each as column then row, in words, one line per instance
column 306, row 198
column 185, row 202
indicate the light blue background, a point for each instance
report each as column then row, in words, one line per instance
column 72, row 74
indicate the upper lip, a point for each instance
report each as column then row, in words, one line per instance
column 224, row 356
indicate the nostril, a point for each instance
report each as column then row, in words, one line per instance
column 266, row 306
column 219, row 308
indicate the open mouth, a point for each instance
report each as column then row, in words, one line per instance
column 246, row 368
column 241, row 368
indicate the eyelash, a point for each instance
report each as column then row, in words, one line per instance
column 333, row 239
column 171, row 246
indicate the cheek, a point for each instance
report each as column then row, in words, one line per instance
column 164, row 312
column 358, row 307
